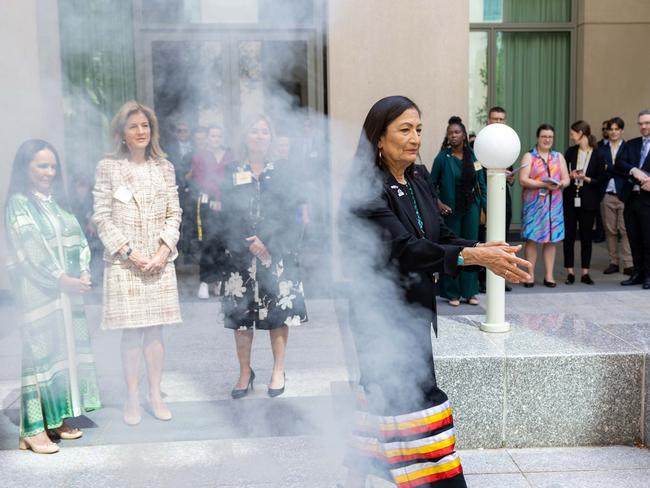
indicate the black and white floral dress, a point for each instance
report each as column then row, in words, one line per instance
column 264, row 295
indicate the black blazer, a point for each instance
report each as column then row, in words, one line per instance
column 612, row 172
column 414, row 254
column 626, row 159
column 590, row 193
column 265, row 208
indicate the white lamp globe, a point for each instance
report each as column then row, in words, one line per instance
column 497, row 146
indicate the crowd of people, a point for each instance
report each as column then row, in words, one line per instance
column 250, row 217
column 243, row 212
column 564, row 197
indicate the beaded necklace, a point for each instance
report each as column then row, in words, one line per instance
column 415, row 206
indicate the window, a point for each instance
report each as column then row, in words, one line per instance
column 520, row 58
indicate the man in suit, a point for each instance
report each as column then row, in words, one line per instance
column 611, row 206
column 634, row 161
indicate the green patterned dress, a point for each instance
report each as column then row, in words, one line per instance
column 58, row 370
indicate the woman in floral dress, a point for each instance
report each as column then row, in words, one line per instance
column 263, row 289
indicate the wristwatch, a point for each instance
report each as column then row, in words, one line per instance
column 125, row 255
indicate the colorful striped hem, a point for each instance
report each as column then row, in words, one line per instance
column 405, row 425
column 427, row 473
column 433, row 447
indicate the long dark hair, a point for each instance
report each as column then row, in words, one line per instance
column 20, row 181
column 468, row 174
column 585, row 128
column 380, row 116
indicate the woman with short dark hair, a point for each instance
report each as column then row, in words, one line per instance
column 49, row 270
column 543, row 175
column 396, row 244
column 460, row 182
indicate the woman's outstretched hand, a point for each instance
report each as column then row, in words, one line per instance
column 500, row 258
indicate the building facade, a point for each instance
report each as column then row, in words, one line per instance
column 68, row 65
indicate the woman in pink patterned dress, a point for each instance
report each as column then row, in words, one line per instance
column 543, row 175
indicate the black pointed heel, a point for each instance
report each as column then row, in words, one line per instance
column 570, row 279
column 241, row 393
column 273, row 392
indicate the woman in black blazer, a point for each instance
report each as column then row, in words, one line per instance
column 396, row 244
column 582, row 197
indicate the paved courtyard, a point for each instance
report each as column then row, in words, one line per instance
column 298, row 439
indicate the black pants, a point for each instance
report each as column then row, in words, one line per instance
column 582, row 219
column 637, row 223
column 213, row 249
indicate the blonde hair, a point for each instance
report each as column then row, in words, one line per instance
column 120, row 149
column 250, row 122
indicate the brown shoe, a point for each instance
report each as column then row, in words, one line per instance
column 611, row 269
column 628, row 271
column 66, row 432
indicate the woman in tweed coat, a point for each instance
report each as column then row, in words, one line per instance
column 137, row 216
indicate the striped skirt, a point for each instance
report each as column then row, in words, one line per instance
column 412, row 450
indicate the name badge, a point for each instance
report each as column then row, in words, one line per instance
column 123, row 194
column 576, row 202
column 242, row 178
column 204, row 198
column 477, row 166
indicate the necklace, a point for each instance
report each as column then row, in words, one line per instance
column 415, row 206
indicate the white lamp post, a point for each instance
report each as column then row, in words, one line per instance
column 497, row 147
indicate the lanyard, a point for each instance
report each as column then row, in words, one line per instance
column 581, row 165
column 415, row 206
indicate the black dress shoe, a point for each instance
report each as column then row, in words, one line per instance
column 508, row 287
column 646, row 284
column 241, row 393
column 586, row 279
column 611, row 269
column 628, row 271
column 635, row 279
column 550, row 284
column 570, row 279
column 273, row 392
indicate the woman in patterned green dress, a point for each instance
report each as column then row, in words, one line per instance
column 49, row 270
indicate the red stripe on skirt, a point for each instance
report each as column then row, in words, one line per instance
column 429, row 455
column 432, row 478
column 419, row 429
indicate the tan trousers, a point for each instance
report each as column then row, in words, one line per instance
column 611, row 209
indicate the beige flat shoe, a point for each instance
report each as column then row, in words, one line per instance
column 28, row 443
column 455, row 302
column 131, row 419
column 161, row 412
column 473, row 301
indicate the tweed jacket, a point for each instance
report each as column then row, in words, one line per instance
column 143, row 212
column 119, row 223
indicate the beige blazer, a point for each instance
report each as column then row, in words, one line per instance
column 143, row 214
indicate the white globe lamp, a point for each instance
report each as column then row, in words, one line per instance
column 496, row 147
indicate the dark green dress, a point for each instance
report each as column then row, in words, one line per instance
column 58, row 370
column 446, row 178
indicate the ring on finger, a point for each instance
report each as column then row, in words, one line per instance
column 506, row 275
